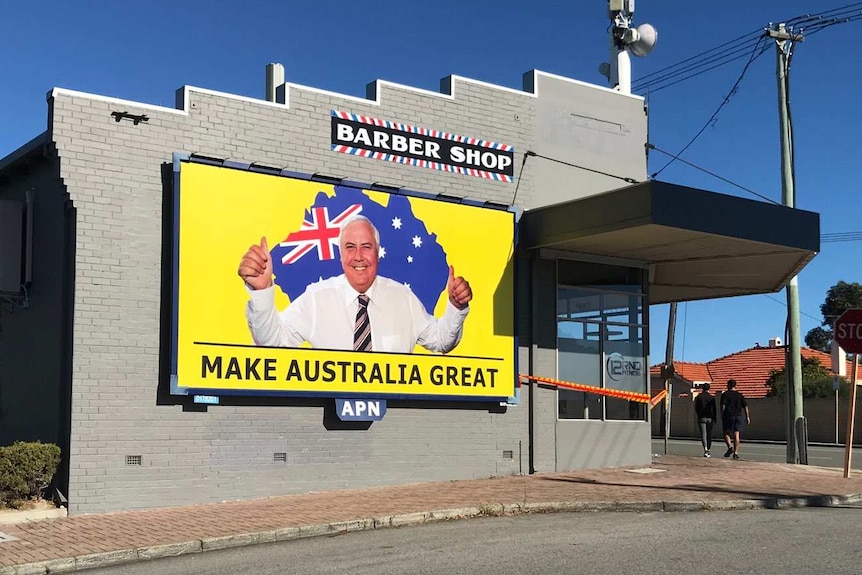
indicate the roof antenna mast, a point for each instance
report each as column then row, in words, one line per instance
column 624, row 40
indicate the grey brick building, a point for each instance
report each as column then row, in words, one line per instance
column 85, row 344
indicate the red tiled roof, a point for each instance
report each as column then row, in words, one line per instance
column 686, row 370
column 750, row 368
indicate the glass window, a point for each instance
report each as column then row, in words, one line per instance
column 625, row 369
column 579, row 361
column 600, row 331
column 593, row 304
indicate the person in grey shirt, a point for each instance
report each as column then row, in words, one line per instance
column 704, row 407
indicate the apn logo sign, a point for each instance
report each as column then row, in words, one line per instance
column 360, row 409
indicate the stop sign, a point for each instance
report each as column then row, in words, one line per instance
column 848, row 331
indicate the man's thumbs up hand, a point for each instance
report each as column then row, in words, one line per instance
column 255, row 267
column 459, row 290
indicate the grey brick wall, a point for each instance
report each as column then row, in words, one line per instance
column 112, row 172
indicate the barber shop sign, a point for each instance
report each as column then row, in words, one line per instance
column 395, row 142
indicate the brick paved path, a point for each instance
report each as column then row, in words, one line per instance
column 682, row 480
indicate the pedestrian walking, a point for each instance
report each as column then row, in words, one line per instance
column 734, row 417
column 704, row 407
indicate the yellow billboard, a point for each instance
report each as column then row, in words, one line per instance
column 288, row 286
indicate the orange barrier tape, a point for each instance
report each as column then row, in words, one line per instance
column 657, row 398
column 619, row 394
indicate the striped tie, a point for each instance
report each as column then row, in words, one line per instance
column 362, row 328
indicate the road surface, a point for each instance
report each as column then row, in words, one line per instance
column 768, row 542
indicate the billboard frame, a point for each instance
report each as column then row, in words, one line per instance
column 178, row 158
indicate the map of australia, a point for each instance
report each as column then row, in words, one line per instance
column 409, row 252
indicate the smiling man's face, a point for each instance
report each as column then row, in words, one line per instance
column 359, row 254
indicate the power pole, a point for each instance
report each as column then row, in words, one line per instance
column 797, row 448
column 669, row 372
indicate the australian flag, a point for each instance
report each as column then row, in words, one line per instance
column 409, row 252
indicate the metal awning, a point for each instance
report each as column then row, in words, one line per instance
column 698, row 244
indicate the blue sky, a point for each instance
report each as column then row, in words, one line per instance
column 143, row 51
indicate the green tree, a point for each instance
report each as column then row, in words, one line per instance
column 840, row 297
column 816, row 381
column 819, row 339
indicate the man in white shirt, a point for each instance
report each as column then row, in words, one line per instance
column 357, row 310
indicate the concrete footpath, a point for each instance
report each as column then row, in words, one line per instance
column 671, row 483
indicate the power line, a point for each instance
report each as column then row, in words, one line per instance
column 803, row 19
column 785, row 305
column 726, row 53
column 710, row 63
column 827, row 22
column 691, row 69
column 820, row 27
column 714, row 175
column 730, row 52
column 745, row 37
column 520, row 174
column 571, row 165
column 841, row 237
column 755, row 54
column 658, row 86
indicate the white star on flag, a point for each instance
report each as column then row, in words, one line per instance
column 382, row 253
column 409, row 259
column 396, row 223
column 417, row 242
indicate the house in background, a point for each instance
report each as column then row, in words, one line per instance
column 750, row 368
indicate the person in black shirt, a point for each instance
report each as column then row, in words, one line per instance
column 704, row 406
column 734, row 416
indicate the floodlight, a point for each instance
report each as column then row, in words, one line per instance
column 644, row 39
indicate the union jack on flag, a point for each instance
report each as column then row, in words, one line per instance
column 317, row 231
